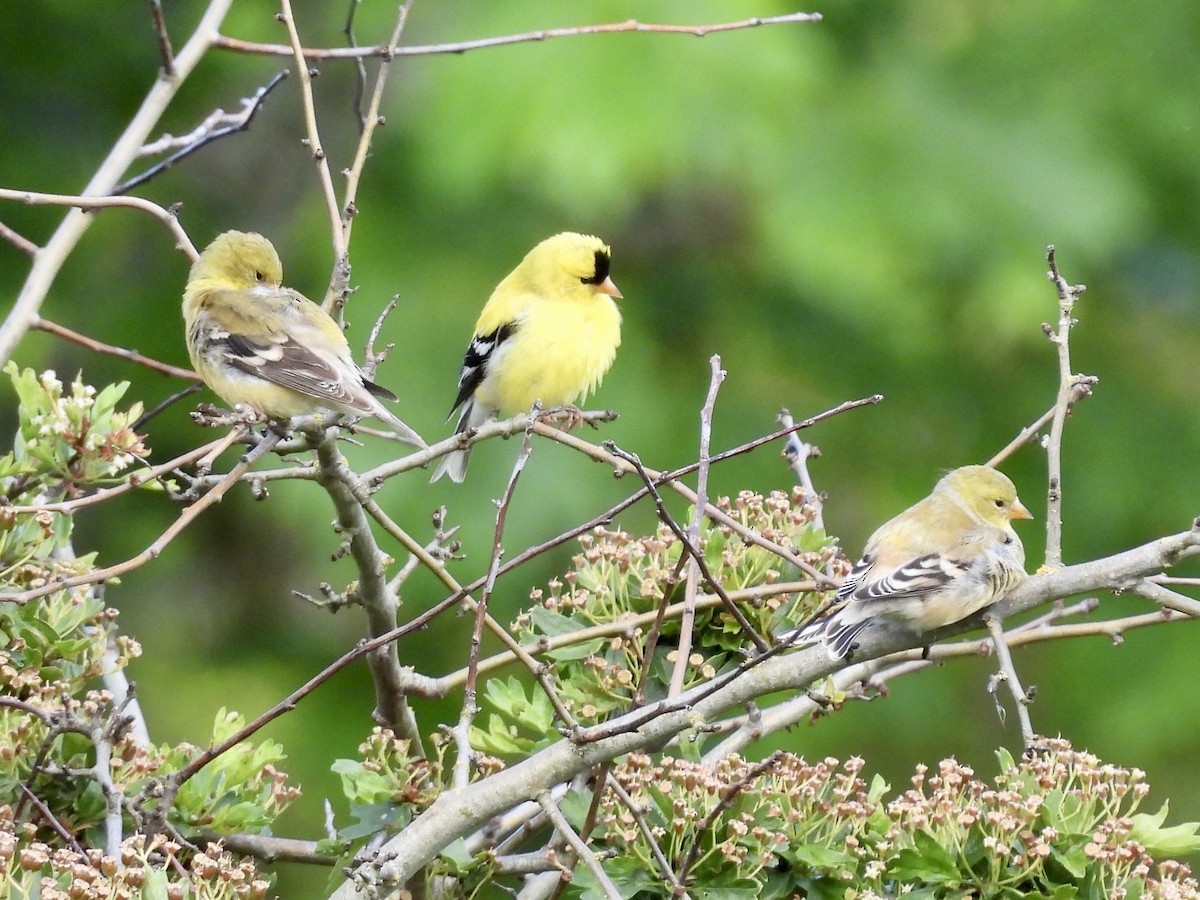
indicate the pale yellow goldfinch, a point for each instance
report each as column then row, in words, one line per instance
column 548, row 333
column 938, row 562
column 257, row 343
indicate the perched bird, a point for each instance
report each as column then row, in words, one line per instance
column 548, row 333
column 951, row 554
column 269, row 347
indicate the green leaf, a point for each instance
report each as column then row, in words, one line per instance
column 574, row 806
column 879, row 787
column 553, row 624
column 1072, row 858
column 1176, row 840
column 457, row 858
column 362, row 785
column 1064, row 892
column 927, row 861
column 626, row 872
column 750, row 890
column 1005, row 760
column 374, row 818
column 155, row 885
column 107, row 398
column 819, row 856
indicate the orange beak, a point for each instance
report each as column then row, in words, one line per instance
column 1020, row 512
column 607, row 287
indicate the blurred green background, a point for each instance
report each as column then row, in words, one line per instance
column 837, row 209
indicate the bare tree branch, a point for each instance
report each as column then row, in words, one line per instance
column 1008, row 674
column 581, row 850
column 374, row 594
column 457, row 813
column 100, row 347
column 186, row 518
column 216, row 126
column 81, row 203
column 50, row 258
column 22, row 243
column 1061, row 337
column 164, row 39
column 459, row 47
column 317, row 150
column 470, row 707
column 692, row 539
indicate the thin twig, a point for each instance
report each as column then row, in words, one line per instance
column 692, row 550
column 49, row 260
column 459, row 47
column 88, row 204
column 133, row 480
column 51, row 819
column 186, row 518
column 441, row 546
column 488, row 430
column 798, row 452
column 729, row 794
column 688, row 620
column 100, row 347
column 462, row 762
column 164, row 39
column 1067, row 295
column 165, row 404
column 272, row 849
column 22, row 243
column 599, row 777
column 216, row 126
column 1166, row 598
column 1008, row 674
column 582, row 850
column 531, row 863
column 360, row 81
column 313, row 141
column 1081, row 388
column 624, row 626
column 369, row 123
column 29, row 709
column 639, row 818
column 371, row 359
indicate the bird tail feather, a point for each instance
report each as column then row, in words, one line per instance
column 454, row 463
column 403, row 432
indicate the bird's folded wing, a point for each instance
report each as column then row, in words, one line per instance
column 915, row 578
column 475, row 362
column 284, row 362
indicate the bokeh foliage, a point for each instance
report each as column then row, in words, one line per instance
column 839, row 209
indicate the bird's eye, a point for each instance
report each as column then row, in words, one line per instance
column 999, row 503
column 258, row 276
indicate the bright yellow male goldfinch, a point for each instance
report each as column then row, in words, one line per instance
column 939, row 561
column 258, row 343
column 548, row 333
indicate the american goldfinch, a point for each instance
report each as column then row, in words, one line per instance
column 948, row 556
column 548, row 333
column 269, row 347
